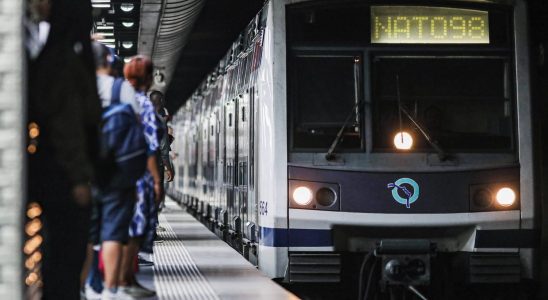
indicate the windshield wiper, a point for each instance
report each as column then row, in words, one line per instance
column 433, row 143
column 441, row 153
column 330, row 153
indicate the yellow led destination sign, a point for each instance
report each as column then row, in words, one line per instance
column 428, row 25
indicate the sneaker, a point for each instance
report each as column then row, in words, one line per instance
column 160, row 228
column 109, row 295
column 122, row 294
column 136, row 291
column 146, row 255
column 143, row 262
column 91, row 294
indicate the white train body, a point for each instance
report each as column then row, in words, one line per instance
column 238, row 164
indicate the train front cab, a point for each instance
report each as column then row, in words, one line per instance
column 450, row 77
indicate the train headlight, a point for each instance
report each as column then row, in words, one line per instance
column 326, row 197
column 302, row 195
column 403, row 141
column 483, row 198
column 313, row 195
column 506, row 197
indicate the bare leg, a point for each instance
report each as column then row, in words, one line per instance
column 127, row 274
column 112, row 257
column 87, row 264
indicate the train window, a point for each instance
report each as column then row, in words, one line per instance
column 324, row 91
column 462, row 102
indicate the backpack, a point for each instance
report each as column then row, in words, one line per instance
column 123, row 144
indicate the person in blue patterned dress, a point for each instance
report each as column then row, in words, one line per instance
column 138, row 71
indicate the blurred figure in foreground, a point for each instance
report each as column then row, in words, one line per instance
column 63, row 105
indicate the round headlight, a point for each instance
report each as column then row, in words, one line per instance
column 325, row 197
column 482, row 198
column 302, row 195
column 506, row 196
column 403, row 141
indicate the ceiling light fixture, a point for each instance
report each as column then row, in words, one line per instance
column 127, row 7
column 127, row 45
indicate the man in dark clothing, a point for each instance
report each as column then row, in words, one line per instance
column 63, row 103
column 157, row 99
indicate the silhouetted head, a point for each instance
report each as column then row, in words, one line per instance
column 39, row 10
column 157, row 99
column 138, row 71
column 102, row 56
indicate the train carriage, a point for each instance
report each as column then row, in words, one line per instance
column 401, row 128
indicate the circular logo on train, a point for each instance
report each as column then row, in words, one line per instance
column 405, row 191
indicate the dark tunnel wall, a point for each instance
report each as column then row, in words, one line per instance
column 217, row 27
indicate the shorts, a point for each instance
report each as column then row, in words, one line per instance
column 116, row 208
column 145, row 209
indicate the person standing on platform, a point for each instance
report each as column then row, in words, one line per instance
column 115, row 200
column 164, row 167
column 63, row 105
column 138, row 71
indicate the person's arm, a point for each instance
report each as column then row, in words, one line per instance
column 164, row 154
column 76, row 145
column 151, row 137
column 152, row 166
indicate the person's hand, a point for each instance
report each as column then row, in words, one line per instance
column 158, row 193
column 82, row 195
column 169, row 175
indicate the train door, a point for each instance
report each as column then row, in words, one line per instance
column 193, row 164
column 230, row 164
column 242, row 180
column 250, row 227
column 202, row 178
column 211, row 165
column 220, row 210
column 180, row 152
column 218, row 170
column 185, row 164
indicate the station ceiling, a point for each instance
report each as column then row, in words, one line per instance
column 185, row 38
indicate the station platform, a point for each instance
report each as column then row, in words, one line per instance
column 190, row 262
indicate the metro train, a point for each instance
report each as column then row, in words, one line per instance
column 333, row 130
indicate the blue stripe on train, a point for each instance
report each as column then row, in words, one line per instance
column 283, row 237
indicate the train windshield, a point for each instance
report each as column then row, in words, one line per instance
column 463, row 103
column 325, row 91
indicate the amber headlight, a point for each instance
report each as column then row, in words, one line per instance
column 403, row 141
column 506, row 197
column 494, row 196
column 302, row 195
column 314, row 195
